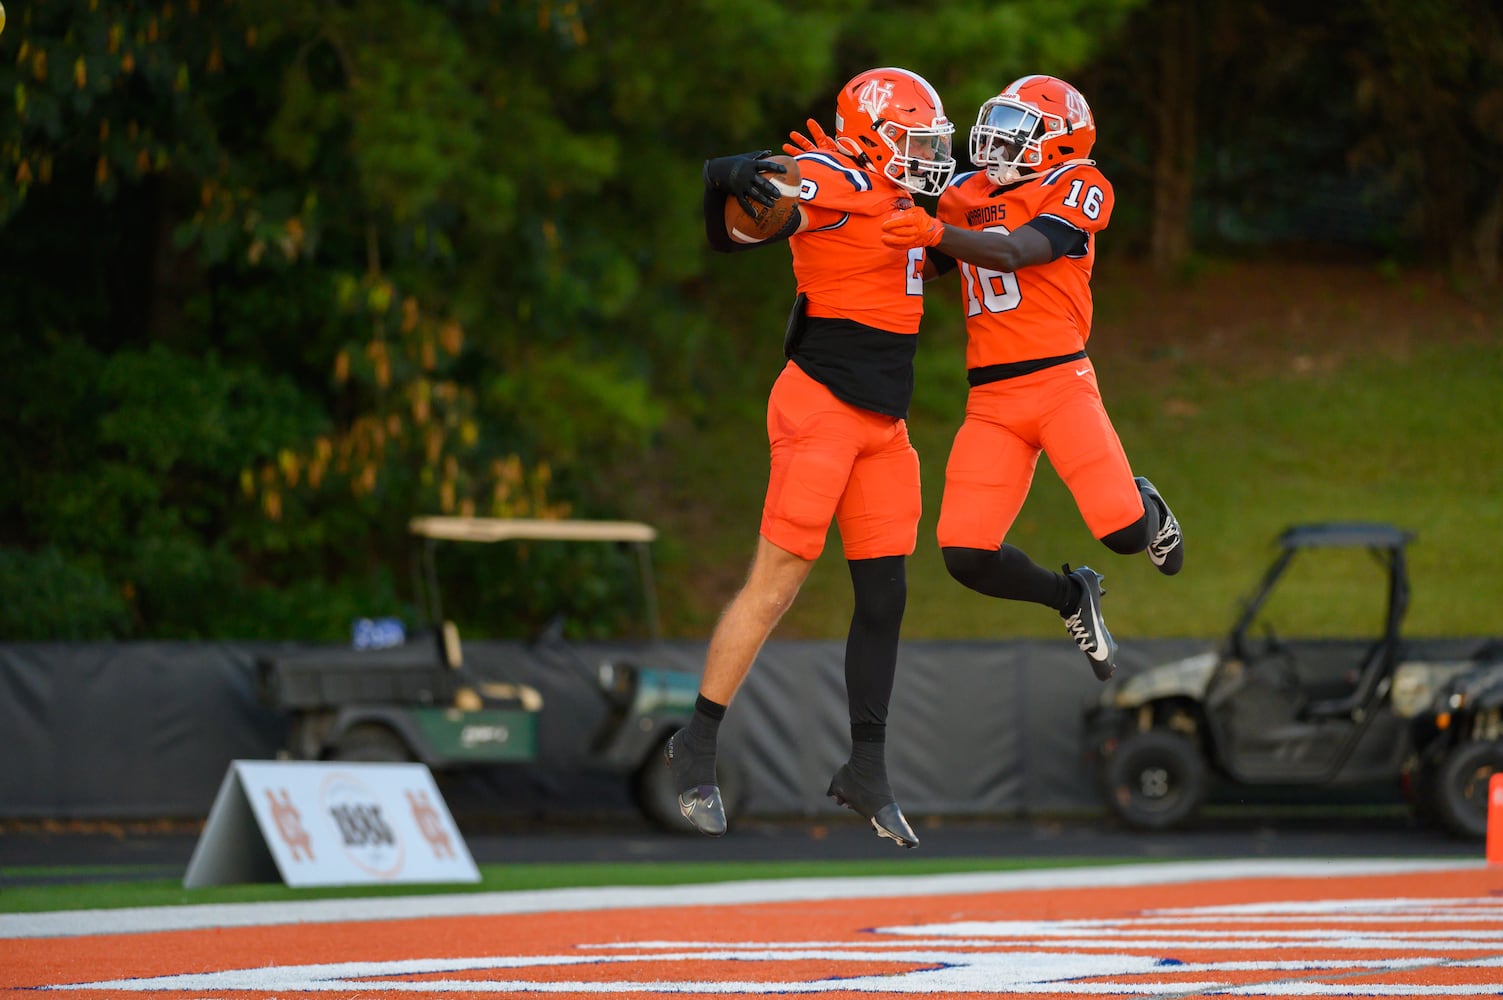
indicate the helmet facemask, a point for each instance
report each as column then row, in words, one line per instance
column 920, row 160
column 1009, row 136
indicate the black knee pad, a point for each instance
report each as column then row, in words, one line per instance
column 968, row 566
column 1129, row 540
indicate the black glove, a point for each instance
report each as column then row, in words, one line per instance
column 741, row 177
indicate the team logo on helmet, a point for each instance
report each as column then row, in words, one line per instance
column 874, row 97
column 1075, row 107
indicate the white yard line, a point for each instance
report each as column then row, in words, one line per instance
column 137, row 920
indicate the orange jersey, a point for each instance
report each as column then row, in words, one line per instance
column 1042, row 311
column 840, row 261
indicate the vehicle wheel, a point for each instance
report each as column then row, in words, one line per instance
column 1154, row 780
column 372, row 743
column 1460, row 790
column 652, row 787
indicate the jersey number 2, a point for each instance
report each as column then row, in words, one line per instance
column 996, row 291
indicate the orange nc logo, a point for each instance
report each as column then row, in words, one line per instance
column 874, row 97
column 290, row 825
column 429, row 825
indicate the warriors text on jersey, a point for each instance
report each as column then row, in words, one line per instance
column 1037, row 312
column 864, row 299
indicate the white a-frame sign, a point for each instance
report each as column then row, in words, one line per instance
column 314, row 823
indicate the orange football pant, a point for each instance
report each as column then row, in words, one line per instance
column 834, row 460
column 996, row 451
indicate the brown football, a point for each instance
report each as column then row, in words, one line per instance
column 744, row 228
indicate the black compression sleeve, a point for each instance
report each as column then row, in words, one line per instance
column 1064, row 238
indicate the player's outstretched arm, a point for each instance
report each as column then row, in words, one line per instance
column 1023, row 247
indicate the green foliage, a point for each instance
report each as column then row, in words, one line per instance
column 281, row 276
column 594, row 409
column 970, row 50
column 132, row 498
column 1432, row 97
column 49, row 597
column 110, row 85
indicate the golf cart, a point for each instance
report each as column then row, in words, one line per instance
column 418, row 700
column 1300, row 697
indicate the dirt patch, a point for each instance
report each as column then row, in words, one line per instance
column 1260, row 316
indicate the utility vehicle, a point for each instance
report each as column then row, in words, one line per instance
column 1315, row 686
column 419, row 701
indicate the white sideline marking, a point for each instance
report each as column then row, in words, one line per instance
column 138, row 920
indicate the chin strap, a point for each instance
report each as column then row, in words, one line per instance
column 1010, row 174
column 848, row 146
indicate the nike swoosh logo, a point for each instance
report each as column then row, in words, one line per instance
column 1083, row 371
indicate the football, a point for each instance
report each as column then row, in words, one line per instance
column 744, row 228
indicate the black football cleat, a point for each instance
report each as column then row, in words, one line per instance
column 1087, row 627
column 879, row 808
column 699, row 803
column 1167, row 549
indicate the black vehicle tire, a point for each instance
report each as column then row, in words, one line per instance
column 1154, row 780
column 652, row 787
column 371, row 742
column 1460, row 789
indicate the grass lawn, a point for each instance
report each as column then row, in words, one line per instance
column 1253, row 395
column 494, row 878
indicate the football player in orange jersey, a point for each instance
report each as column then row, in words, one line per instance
column 1022, row 230
column 836, row 424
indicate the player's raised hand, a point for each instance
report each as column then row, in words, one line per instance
column 817, row 139
column 912, row 227
column 741, row 176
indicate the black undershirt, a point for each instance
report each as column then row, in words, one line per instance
column 859, row 364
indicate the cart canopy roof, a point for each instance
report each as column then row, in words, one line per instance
column 1340, row 533
column 500, row 529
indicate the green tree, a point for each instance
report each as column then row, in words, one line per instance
column 285, row 275
column 1431, row 85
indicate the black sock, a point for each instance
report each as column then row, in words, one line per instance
column 1071, row 595
column 693, row 761
column 868, row 763
column 703, row 730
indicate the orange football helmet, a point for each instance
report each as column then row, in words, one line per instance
column 1035, row 124
column 892, row 121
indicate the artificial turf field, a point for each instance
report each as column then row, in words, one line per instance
column 1264, row 927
